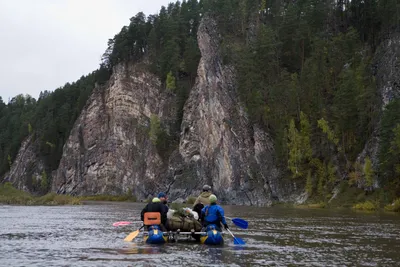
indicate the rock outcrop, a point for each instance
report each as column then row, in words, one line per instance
column 109, row 150
column 218, row 144
column 26, row 166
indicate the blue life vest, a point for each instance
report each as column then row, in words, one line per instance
column 214, row 214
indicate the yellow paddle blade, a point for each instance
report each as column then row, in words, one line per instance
column 131, row 236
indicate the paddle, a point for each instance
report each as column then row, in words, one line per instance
column 239, row 222
column 133, row 235
column 236, row 240
column 121, row 223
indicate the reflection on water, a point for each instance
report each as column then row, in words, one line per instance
column 143, row 249
column 84, row 236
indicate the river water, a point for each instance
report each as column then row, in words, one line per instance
column 84, row 236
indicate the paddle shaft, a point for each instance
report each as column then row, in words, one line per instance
column 231, row 233
column 133, row 235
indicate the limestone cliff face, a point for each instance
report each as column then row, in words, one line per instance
column 387, row 73
column 26, row 166
column 218, row 144
column 109, row 150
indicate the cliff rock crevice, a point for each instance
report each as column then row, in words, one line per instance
column 387, row 73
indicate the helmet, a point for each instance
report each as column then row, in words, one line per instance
column 155, row 200
column 206, row 188
column 213, row 198
column 161, row 194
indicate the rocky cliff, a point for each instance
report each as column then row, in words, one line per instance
column 109, row 150
column 27, row 166
column 217, row 141
column 387, row 73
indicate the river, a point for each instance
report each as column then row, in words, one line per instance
column 84, row 236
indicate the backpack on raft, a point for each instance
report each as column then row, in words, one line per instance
column 183, row 220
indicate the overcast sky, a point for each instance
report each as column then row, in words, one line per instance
column 46, row 43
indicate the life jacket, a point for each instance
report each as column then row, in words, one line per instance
column 214, row 214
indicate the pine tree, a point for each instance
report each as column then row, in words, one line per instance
column 368, row 172
column 44, row 182
column 171, row 82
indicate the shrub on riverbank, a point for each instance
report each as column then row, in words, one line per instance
column 367, row 205
column 11, row 195
column 121, row 198
column 395, row 206
column 54, row 199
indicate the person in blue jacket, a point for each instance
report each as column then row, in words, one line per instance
column 213, row 214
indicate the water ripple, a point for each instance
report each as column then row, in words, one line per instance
column 84, row 236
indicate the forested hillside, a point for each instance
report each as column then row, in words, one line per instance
column 305, row 71
column 48, row 119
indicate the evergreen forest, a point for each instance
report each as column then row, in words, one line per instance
column 305, row 73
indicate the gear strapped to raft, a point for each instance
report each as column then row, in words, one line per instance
column 183, row 223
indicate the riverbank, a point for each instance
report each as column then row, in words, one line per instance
column 348, row 198
column 354, row 198
column 12, row 196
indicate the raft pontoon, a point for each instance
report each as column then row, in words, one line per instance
column 209, row 237
column 154, row 235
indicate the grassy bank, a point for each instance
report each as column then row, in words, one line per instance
column 355, row 198
column 13, row 196
column 121, row 198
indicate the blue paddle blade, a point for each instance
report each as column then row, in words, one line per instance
column 240, row 223
column 238, row 241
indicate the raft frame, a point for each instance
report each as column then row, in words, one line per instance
column 172, row 235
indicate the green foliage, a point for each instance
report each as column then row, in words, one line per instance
column 356, row 174
column 9, row 161
column 49, row 120
column 389, row 150
column 44, row 183
column 54, row 199
column 299, row 146
column 11, row 195
column 309, row 184
column 368, row 172
column 128, row 197
column 367, row 206
column 294, row 147
column 348, row 196
column 50, row 145
column 321, row 174
column 323, row 125
column 171, row 85
column 395, row 206
column 155, row 129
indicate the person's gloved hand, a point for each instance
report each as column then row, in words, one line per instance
column 226, row 226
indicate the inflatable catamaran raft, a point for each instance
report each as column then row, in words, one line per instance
column 181, row 226
column 154, row 235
